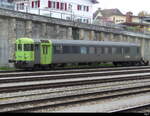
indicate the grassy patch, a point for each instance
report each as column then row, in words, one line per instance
column 7, row 68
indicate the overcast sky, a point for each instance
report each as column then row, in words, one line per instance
column 124, row 6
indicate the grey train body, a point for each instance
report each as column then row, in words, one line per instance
column 81, row 51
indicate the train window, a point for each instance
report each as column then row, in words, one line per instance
column 138, row 50
column 119, row 50
column 100, row 50
column 28, row 47
column 58, row 49
column 75, row 49
column 19, row 47
column 108, row 50
column 126, row 50
column 45, row 49
column 66, row 49
column 91, row 50
column 83, row 50
column 114, row 50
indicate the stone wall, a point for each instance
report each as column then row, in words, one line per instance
column 17, row 24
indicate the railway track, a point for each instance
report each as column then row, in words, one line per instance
column 44, row 91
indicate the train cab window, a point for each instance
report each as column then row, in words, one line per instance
column 83, row 50
column 19, row 47
column 28, row 47
column 91, row 50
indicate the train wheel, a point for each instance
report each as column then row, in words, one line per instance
column 115, row 63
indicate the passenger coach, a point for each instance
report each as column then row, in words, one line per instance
column 33, row 53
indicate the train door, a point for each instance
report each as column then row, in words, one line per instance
column 37, row 53
column 46, row 52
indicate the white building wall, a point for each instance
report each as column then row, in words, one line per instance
column 74, row 14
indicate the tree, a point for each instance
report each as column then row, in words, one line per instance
column 143, row 13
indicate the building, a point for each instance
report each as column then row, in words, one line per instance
column 126, row 21
column 78, row 10
column 114, row 16
column 142, row 26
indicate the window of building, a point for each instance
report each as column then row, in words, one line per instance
column 53, row 5
column 70, row 7
column 85, row 20
column 57, row 5
column 62, row 6
column 86, row 8
column 49, row 4
column 79, row 7
column 36, row 4
column 82, row 8
column 20, row 6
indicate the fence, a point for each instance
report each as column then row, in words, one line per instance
column 66, row 15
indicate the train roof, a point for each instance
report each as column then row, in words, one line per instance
column 82, row 42
column 91, row 42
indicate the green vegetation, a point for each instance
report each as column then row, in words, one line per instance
column 5, row 68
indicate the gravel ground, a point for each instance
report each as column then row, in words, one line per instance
column 66, row 91
column 109, row 105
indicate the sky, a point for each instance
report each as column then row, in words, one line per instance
column 124, row 6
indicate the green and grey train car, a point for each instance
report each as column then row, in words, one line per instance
column 31, row 53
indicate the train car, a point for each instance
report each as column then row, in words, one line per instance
column 36, row 53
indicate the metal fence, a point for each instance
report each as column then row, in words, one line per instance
column 66, row 15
